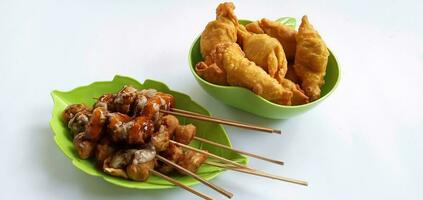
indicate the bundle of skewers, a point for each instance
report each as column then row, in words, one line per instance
column 134, row 134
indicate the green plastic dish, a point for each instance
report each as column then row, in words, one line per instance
column 85, row 94
column 246, row 100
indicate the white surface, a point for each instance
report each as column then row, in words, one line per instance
column 363, row 142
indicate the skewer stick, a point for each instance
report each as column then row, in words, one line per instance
column 177, row 183
column 210, row 154
column 239, row 151
column 199, row 178
column 221, row 121
column 257, row 173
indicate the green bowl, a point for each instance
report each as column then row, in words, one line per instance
column 246, row 100
column 86, row 94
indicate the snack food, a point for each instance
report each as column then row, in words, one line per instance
column 297, row 61
column 126, row 130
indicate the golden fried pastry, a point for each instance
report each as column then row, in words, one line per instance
column 298, row 96
column 291, row 75
column 212, row 73
column 242, row 72
column 223, row 29
column 265, row 51
column 311, row 59
column 284, row 34
column 254, row 27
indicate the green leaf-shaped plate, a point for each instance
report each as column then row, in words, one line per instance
column 85, row 94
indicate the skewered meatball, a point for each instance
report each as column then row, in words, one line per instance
column 139, row 104
column 71, row 110
column 78, row 122
column 171, row 123
column 84, row 147
column 147, row 92
column 103, row 150
column 152, row 108
column 140, row 172
column 113, row 171
column 192, row 160
column 185, row 133
column 142, row 162
column 122, row 158
column 155, row 103
column 106, row 101
column 172, row 153
column 94, row 128
column 167, row 100
column 124, row 99
column 118, row 126
column 141, row 131
column 147, row 153
column 161, row 138
column 141, row 100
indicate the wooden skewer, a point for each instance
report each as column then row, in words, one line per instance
column 199, row 178
column 239, row 151
column 221, row 121
column 240, row 167
column 177, row 183
column 257, row 173
column 209, row 154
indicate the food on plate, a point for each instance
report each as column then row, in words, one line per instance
column 222, row 29
column 296, row 60
column 265, row 51
column 245, row 73
column 284, row 34
column 298, row 96
column 212, row 73
column 126, row 130
column 147, row 139
column 311, row 59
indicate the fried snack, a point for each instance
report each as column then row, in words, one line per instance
column 78, row 123
column 242, row 72
column 104, row 149
column 291, row 75
column 185, row 133
column 192, row 160
column 172, row 153
column 142, row 163
column 113, row 171
column 212, row 73
column 298, row 96
column 284, row 34
column 84, row 148
column 161, row 138
column 311, row 59
column 94, row 128
column 106, row 101
column 141, row 171
column 223, row 29
column 265, row 51
column 170, row 122
column 72, row 110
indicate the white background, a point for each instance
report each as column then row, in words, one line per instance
column 363, row 142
